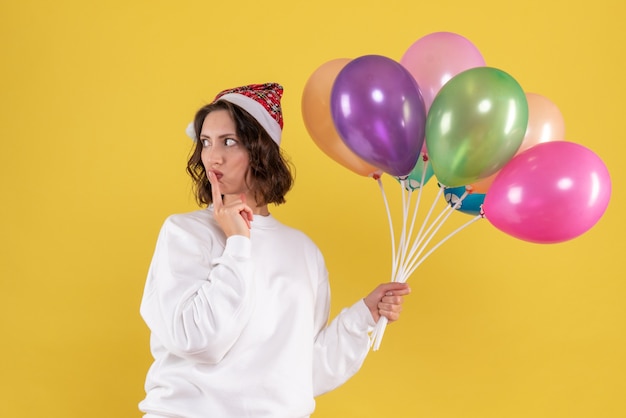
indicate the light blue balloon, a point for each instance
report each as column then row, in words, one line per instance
column 471, row 203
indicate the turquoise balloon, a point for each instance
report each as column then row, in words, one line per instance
column 414, row 178
column 475, row 125
column 471, row 203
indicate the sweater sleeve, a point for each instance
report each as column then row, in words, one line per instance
column 341, row 346
column 196, row 305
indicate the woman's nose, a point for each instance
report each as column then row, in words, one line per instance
column 215, row 154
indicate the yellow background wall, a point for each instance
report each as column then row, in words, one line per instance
column 95, row 97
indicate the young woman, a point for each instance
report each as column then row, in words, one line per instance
column 238, row 303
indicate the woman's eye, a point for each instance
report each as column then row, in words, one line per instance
column 229, row 142
column 205, row 143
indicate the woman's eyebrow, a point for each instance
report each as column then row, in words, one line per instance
column 219, row 136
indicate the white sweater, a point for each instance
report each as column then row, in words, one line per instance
column 239, row 327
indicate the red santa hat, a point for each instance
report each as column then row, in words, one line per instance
column 261, row 101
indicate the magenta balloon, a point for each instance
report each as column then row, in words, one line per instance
column 379, row 113
column 552, row 192
column 435, row 58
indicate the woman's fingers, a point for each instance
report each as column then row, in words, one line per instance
column 246, row 212
column 216, row 193
column 394, row 288
column 235, row 216
column 391, row 306
column 386, row 300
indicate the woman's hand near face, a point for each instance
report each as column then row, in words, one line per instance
column 234, row 217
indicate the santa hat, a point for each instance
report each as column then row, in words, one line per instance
column 261, row 101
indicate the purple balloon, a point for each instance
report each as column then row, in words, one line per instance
column 379, row 113
column 552, row 192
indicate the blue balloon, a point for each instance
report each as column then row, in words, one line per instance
column 471, row 203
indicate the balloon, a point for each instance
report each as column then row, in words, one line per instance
column 471, row 203
column 482, row 185
column 435, row 58
column 379, row 113
column 552, row 192
column 545, row 123
column 414, row 178
column 475, row 125
column 318, row 120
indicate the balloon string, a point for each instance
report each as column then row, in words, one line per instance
column 406, row 199
column 400, row 257
column 432, row 207
column 424, row 240
column 410, row 264
column 379, row 329
column 421, row 233
column 437, row 224
column 417, row 202
column 393, row 240
column 465, row 225
column 446, row 212
column 406, row 233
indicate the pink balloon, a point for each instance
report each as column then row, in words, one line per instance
column 552, row 192
column 435, row 58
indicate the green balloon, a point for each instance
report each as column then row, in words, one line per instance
column 475, row 125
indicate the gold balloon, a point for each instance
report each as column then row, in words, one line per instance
column 318, row 119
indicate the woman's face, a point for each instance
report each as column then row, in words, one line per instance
column 224, row 154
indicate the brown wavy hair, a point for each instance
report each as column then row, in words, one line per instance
column 271, row 172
